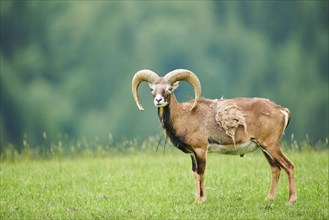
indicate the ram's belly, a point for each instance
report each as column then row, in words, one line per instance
column 238, row 149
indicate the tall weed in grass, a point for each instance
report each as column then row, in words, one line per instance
column 82, row 148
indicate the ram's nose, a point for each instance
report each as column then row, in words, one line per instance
column 159, row 101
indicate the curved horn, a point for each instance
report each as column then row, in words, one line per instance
column 188, row 76
column 140, row 76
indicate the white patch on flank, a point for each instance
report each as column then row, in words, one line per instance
column 233, row 150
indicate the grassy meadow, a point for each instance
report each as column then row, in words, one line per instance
column 153, row 185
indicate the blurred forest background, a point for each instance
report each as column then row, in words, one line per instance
column 67, row 66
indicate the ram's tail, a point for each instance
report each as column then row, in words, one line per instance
column 287, row 115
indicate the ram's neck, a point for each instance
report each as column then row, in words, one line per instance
column 167, row 117
column 165, row 113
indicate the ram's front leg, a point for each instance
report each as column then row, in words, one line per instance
column 196, row 177
column 198, row 168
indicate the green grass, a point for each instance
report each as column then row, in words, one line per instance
column 153, row 186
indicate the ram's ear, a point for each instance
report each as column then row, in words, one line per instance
column 175, row 85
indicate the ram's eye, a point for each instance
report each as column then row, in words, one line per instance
column 170, row 89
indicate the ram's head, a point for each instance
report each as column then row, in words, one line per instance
column 162, row 87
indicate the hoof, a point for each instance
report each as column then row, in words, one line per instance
column 201, row 200
column 292, row 200
column 269, row 198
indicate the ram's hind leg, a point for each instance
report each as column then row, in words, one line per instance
column 288, row 166
column 277, row 158
column 275, row 176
